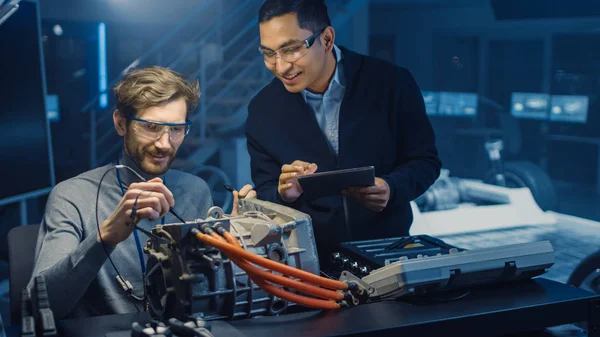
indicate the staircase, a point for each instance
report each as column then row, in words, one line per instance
column 222, row 54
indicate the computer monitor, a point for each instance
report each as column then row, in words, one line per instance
column 569, row 108
column 432, row 101
column 25, row 147
column 460, row 104
column 527, row 105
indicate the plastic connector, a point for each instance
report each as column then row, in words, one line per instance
column 28, row 326
column 41, row 293
column 207, row 229
column 153, row 329
column 27, row 320
column 219, row 228
column 46, row 322
column 193, row 328
column 44, row 317
column 126, row 285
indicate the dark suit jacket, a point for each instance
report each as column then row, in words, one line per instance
column 382, row 122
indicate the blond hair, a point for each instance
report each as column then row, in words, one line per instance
column 143, row 88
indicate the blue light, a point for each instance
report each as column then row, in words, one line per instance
column 52, row 108
column 102, row 64
column 103, row 100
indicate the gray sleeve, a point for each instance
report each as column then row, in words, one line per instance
column 205, row 198
column 68, row 261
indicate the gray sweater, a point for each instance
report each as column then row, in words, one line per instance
column 81, row 281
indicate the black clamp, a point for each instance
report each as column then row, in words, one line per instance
column 37, row 319
column 45, row 317
column 195, row 327
column 27, row 320
column 152, row 329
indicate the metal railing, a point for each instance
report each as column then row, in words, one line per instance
column 215, row 33
column 153, row 50
column 212, row 33
column 208, row 107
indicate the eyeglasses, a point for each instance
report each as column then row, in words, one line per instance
column 290, row 53
column 154, row 130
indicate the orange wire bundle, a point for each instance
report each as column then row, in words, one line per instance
column 327, row 295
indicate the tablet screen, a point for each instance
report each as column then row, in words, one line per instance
column 331, row 183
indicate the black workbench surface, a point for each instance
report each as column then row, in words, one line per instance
column 486, row 311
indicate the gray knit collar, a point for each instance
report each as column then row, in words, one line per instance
column 127, row 177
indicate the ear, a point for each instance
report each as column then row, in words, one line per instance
column 120, row 123
column 328, row 38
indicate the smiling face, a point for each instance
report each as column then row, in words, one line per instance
column 153, row 154
column 148, row 98
column 283, row 35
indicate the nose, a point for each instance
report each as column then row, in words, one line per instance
column 282, row 66
column 163, row 143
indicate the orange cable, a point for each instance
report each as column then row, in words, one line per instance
column 284, row 281
column 230, row 249
column 281, row 293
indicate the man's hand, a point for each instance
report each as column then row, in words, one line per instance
column 289, row 189
column 245, row 193
column 374, row 197
column 152, row 200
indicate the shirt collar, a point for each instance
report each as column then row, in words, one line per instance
column 338, row 75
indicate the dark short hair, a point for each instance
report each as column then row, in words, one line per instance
column 312, row 14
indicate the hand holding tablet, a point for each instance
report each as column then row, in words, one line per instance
column 332, row 183
column 288, row 188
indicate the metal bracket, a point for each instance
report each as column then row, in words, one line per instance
column 348, row 277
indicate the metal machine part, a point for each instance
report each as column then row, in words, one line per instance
column 460, row 269
column 445, row 193
column 494, row 148
column 373, row 254
column 449, row 193
column 186, row 278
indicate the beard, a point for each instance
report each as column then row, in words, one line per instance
column 142, row 155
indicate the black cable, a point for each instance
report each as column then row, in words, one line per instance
column 455, row 298
column 129, row 293
column 154, row 236
column 444, row 296
column 171, row 209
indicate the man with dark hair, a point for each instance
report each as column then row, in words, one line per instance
column 330, row 108
column 81, row 228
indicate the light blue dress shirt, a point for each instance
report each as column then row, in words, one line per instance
column 326, row 106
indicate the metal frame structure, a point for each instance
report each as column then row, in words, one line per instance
column 22, row 198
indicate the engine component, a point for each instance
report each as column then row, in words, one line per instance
column 173, row 328
column 446, row 193
column 369, row 255
column 213, row 268
column 426, row 275
column 494, row 148
column 332, row 296
column 518, row 174
column 186, row 278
